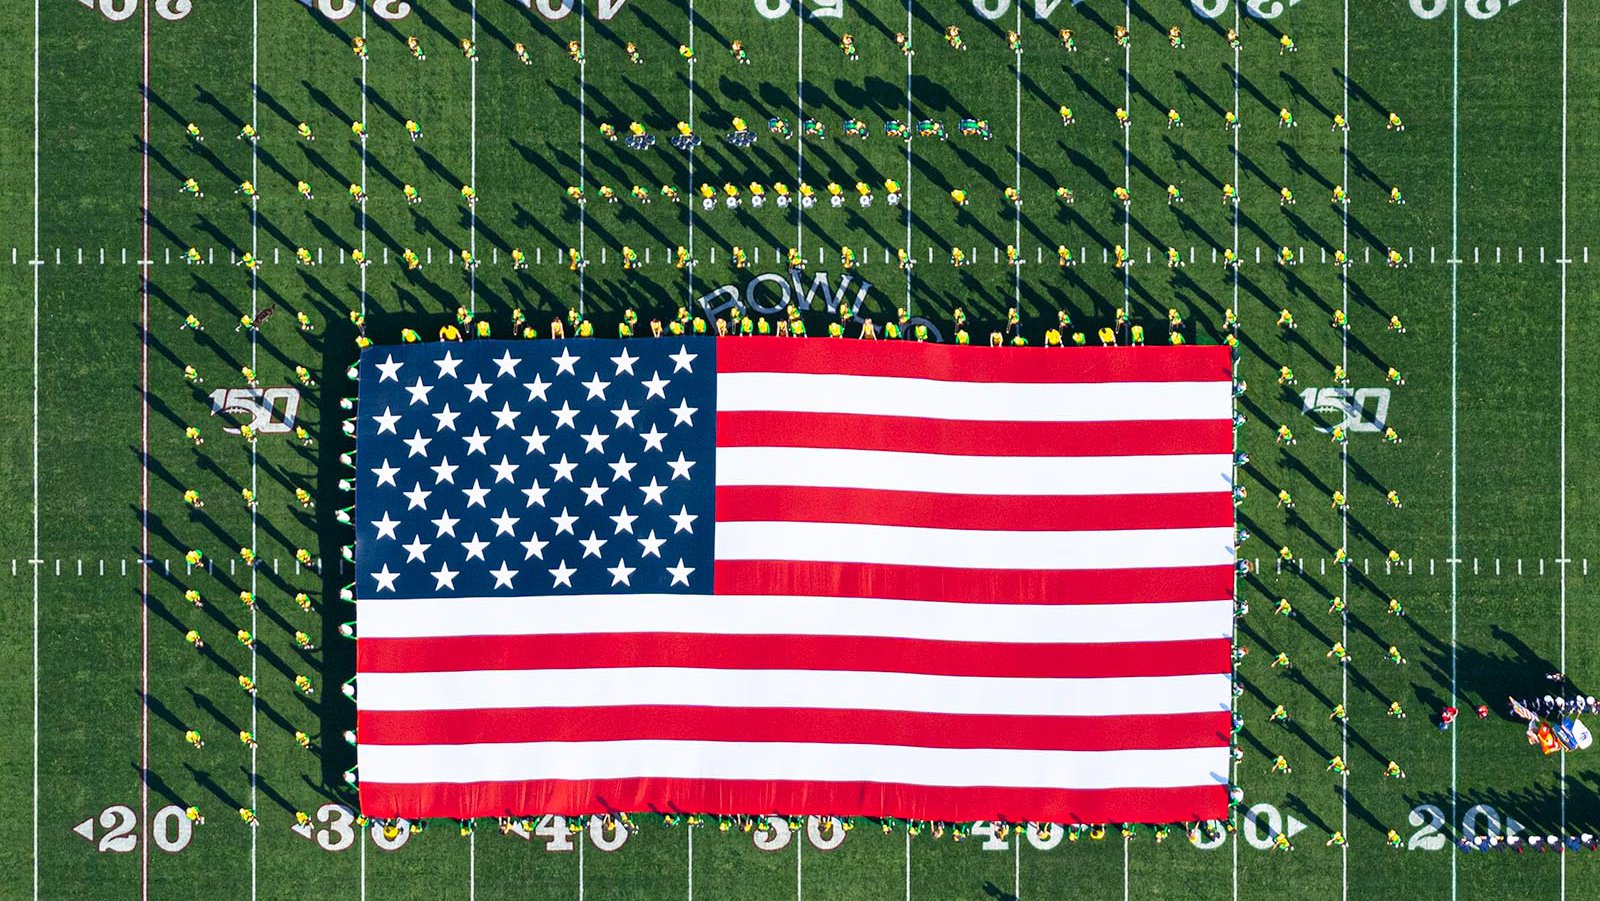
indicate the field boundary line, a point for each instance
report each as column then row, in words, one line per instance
column 1233, row 815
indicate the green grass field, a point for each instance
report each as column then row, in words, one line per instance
column 1495, row 535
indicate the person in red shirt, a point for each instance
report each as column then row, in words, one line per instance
column 1446, row 717
column 1483, row 711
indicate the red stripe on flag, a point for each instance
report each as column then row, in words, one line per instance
column 763, row 428
column 981, row 586
column 705, row 796
column 932, row 510
column 791, row 724
column 848, row 653
column 951, row 363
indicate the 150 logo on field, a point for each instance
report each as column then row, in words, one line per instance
column 261, row 404
column 1350, row 404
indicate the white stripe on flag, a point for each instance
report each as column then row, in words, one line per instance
column 977, row 401
column 1007, row 768
column 828, row 689
column 976, row 476
column 911, row 546
column 775, row 615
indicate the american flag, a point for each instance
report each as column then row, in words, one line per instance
column 786, row 576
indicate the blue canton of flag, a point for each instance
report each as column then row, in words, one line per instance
column 519, row 468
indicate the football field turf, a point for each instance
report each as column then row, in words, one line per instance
column 1496, row 468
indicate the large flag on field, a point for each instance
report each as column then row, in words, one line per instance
column 785, row 576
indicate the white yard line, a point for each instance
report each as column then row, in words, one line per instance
column 1127, row 156
column 583, row 158
column 689, row 188
column 1125, row 887
column 1016, row 870
column 691, row 862
column 144, row 468
column 908, row 866
column 362, row 271
column 1563, row 260
column 905, row 189
column 1016, row 275
column 800, row 119
column 255, row 283
column 472, row 177
column 1234, row 816
column 1344, row 474
column 1455, row 384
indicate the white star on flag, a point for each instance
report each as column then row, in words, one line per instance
column 444, row 471
column 386, row 525
column 504, row 470
column 680, row 467
column 682, row 359
column 653, row 491
column 565, row 362
column 594, row 493
column 651, row 545
column 390, row 370
column 592, row 544
column 503, row 575
column 475, row 494
column 505, row 523
column 446, row 577
column 534, row 546
column 652, row 438
column 475, row 547
column 448, row 365
column 419, row 392
column 656, row 386
column 563, row 574
column 508, row 364
column 624, row 362
column 386, row 474
column 418, row 445
column 417, row 497
column 385, row 578
column 537, row 388
column 596, row 388
column 479, row 389
column 445, row 525
column 680, row 573
column 447, row 419
column 620, row 572
column 416, row 551
column 386, row 421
